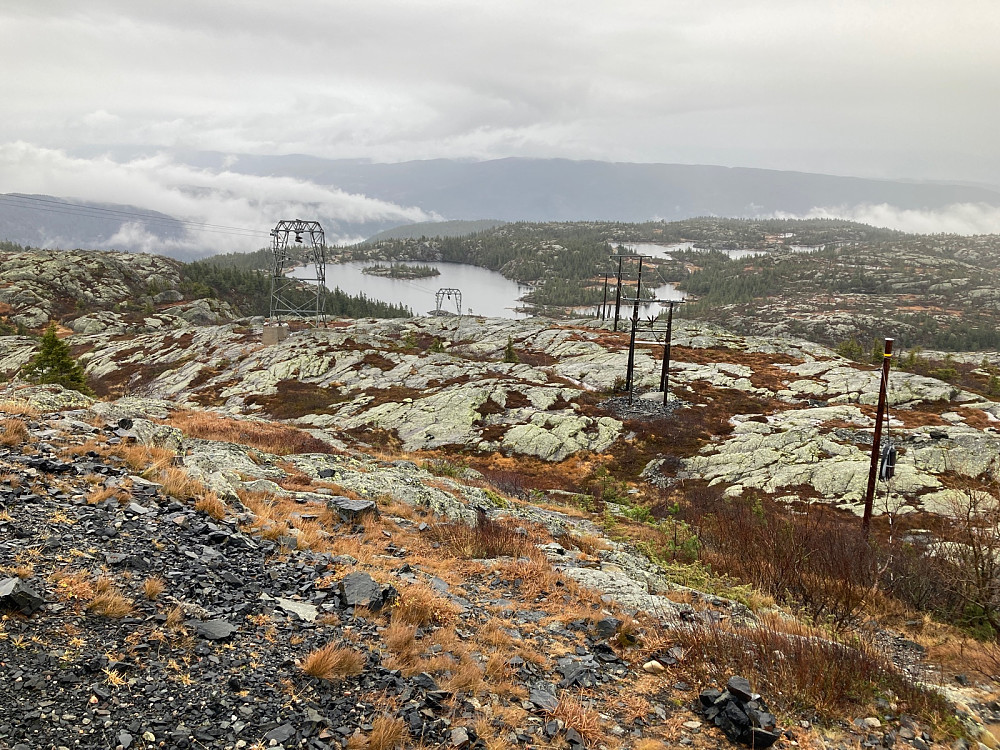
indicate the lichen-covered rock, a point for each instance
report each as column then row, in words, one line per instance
column 40, row 285
column 15, row 352
column 553, row 437
column 49, row 398
column 793, row 449
column 617, row 586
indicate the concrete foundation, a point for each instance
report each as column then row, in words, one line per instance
column 274, row 333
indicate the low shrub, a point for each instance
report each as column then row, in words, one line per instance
column 835, row 678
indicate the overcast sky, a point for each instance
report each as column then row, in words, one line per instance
column 883, row 88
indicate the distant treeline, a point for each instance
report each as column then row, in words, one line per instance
column 249, row 290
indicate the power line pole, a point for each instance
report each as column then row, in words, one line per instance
column 618, row 292
column 665, row 371
column 604, row 303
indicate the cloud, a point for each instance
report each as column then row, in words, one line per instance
column 767, row 83
column 958, row 218
column 248, row 205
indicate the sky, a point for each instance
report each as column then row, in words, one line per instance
column 871, row 88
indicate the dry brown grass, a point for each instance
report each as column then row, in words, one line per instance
column 269, row 437
column 111, row 603
column 177, row 483
column 400, row 639
column 175, row 618
column 333, row 662
column 71, row 586
column 588, row 544
column 538, row 578
column 212, row 505
column 467, row 678
column 99, row 494
column 576, row 714
column 953, row 651
column 486, row 539
column 19, row 407
column 498, row 670
column 634, row 707
column 311, row 535
column 147, row 460
column 152, row 587
column 419, row 604
column 493, row 635
column 834, row 678
column 387, row 733
column 13, row 432
column 26, row 570
column 262, row 504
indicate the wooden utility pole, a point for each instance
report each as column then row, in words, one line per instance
column 635, row 324
column 604, row 302
column 866, row 520
column 618, row 292
column 665, row 370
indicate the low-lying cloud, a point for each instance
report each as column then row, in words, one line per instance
column 958, row 218
column 248, row 204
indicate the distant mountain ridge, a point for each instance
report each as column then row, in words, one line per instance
column 513, row 189
column 517, row 189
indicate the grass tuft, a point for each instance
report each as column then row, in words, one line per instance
column 387, row 733
column 575, row 714
column 420, row 605
column 486, row 539
column 152, row 587
column 211, row 505
column 13, row 432
column 111, row 603
column 333, row 662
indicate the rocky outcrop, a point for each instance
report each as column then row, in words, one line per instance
column 184, row 315
column 441, row 384
column 40, row 285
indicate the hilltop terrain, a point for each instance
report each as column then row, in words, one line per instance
column 461, row 532
column 827, row 281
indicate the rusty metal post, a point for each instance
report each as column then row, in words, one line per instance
column 665, row 371
column 618, row 293
column 866, row 520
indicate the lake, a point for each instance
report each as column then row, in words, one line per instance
column 484, row 292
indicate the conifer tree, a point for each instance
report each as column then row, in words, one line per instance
column 53, row 363
column 509, row 355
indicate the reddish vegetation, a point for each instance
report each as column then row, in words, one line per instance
column 374, row 359
column 396, row 394
column 295, row 399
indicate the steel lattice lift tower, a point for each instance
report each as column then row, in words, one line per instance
column 287, row 296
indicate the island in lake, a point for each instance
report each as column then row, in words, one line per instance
column 401, row 271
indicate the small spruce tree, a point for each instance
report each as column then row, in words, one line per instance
column 53, row 363
column 509, row 355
